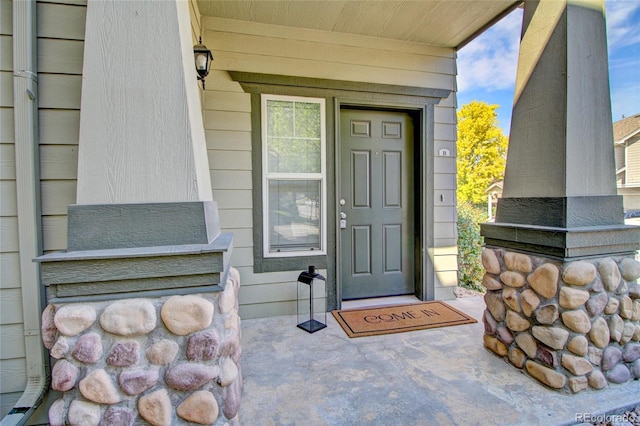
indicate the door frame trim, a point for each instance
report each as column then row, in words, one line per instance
column 423, row 116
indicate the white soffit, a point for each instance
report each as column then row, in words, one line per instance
column 447, row 23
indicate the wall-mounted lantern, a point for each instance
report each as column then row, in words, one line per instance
column 202, row 57
column 312, row 302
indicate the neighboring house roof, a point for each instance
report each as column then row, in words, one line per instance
column 446, row 23
column 626, row 135
column 625, row 128
column 495, row 187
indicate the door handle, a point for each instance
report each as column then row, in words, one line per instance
column 343, row 220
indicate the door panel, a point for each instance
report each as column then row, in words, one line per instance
column 392, row 240
column 392, row 175
column 361, row 250
column 361, row 179
column 377, row 174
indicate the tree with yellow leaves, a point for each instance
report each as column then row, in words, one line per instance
column 482, row 151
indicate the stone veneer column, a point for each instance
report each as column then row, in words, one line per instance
column 143, row 313
column 164, row 360
column 562, row 294
column 572, row 325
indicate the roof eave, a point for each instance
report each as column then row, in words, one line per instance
column 490, row 23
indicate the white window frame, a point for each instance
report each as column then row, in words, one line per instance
column 266, row 177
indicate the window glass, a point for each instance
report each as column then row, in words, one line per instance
column 293, row 137
column 294, row 175
column 294, row 215
column 279, row 119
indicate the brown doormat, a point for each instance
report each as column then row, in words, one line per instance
column 399, row 318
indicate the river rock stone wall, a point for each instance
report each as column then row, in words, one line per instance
column 571, row 325
column 161, row 361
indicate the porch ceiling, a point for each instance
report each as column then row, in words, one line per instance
column 447, row 23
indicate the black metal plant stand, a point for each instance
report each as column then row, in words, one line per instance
column 305, row 279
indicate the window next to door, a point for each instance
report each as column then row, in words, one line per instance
column 293, row 176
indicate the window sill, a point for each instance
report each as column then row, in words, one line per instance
column 281, row 264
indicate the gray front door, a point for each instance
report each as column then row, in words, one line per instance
column 376, row 203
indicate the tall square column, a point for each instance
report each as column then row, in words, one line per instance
column 143, row 311
column 562, row 294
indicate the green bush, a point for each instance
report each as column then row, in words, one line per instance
column 470, row 270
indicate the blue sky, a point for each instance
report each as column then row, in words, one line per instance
column 487, row 65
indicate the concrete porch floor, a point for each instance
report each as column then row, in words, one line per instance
column 441, row 376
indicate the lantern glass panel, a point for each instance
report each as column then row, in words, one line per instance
column 312, row 305
column 201, row 61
